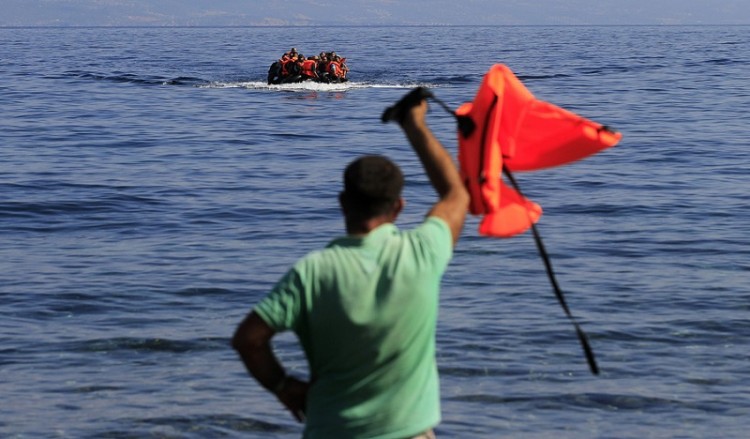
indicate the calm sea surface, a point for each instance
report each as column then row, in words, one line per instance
column 153, row 188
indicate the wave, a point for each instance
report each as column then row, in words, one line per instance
column 108, row 204
column 145, row 345
column 604, row 401
column 539, row 77
column 121, row 77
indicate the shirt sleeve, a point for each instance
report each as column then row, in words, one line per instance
column 437, row 240
column 280, row 309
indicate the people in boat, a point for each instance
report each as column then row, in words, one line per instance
column 286, row 69
column 294, row 67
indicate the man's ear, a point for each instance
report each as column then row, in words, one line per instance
column 398, row 206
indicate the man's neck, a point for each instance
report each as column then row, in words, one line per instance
column 362, row 228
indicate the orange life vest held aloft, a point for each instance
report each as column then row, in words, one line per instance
column 518, row 131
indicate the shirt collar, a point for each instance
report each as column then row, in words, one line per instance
column 376, row 235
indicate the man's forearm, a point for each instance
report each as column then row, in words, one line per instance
column 440, row 169
column 252, row 342
column 264, row 367
column 437, row 162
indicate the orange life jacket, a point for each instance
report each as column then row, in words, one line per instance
column 284, row 66
column 334, row 68
column 514, row 129
column 308, row 68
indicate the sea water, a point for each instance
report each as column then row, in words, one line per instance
column 153, row 188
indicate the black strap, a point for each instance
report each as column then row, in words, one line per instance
column 558, row 292
column 466, row 125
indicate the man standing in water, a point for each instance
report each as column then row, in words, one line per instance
column 365, row 307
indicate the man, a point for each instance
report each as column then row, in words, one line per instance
column 309, row 68
column 365, row 307
column 322, row 67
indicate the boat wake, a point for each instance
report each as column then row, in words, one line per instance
column 190, row 81
column 303, row 86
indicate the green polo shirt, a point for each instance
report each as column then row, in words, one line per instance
column 365, row 312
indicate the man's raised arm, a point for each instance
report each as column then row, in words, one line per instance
column 440, row 168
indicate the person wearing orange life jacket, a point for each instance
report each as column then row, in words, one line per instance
column 279, row 69
column 322, row 67
column 285, row 60
column 309, row 68
column 335, row 72
column 344, row 68
column 293, row 70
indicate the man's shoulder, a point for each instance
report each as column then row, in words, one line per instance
column 434, row 237
column 433, row 226
column 435, row 221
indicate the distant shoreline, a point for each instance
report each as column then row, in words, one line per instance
column 344, row 26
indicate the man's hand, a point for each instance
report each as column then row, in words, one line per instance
column 293, row 395
column 415, row 115
column 400, row 110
